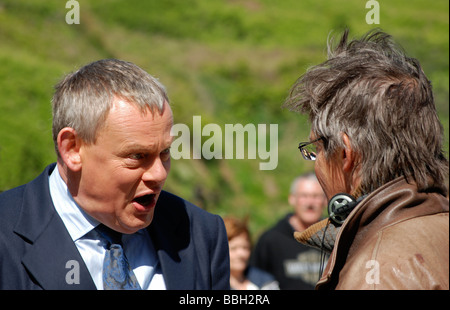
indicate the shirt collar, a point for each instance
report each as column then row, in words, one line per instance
column 77, row 222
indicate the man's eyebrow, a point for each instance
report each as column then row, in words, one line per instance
column 136, row 147
column 168, row 142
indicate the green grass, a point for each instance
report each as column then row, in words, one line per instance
column 230, row 61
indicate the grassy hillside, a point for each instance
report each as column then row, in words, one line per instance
column 228, row 61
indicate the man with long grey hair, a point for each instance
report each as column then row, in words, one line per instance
column 377, row 144
column 99, row 218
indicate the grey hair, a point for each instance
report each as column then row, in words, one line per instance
column 83, row 99
column 310, row 176
column 371, row 91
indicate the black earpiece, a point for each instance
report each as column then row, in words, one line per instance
column 340, row 206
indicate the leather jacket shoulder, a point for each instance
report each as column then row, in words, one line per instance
column 396, row 238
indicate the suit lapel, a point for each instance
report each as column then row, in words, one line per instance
column 51, row 256
column 54, row 260
column 171, row 235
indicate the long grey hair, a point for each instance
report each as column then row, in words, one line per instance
column 371, row 91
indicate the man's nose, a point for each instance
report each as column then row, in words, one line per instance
column 157, row 172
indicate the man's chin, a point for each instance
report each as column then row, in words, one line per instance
column 139, row 221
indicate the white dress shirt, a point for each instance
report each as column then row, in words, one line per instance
column 138, row 247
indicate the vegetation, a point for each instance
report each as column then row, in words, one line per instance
column 228, row 61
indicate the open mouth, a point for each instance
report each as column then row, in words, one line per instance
column 145, row 200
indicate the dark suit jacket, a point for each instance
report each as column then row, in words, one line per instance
column 37, row 252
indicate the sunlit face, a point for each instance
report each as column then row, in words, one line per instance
column 123, row 172
column 239, row 253
column 308, row 201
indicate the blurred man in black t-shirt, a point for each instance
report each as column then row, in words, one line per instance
column 295, row 266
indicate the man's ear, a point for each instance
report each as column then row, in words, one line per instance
column 351, row 167
column 69, row 148
column 291, row 200
column 348, row 155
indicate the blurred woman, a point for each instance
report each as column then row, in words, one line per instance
column 243, row 276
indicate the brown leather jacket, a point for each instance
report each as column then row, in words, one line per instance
column 396, row 238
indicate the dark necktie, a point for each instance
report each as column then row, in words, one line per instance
column 117, row 273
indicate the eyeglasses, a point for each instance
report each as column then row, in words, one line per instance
column 308, row 149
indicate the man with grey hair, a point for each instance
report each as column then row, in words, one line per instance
column 377, row 144
column 294, row 265
column 99, row 218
